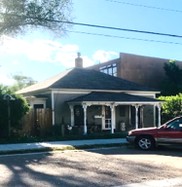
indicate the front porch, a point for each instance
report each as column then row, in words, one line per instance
column 113, row 112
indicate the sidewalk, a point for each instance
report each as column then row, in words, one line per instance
column 42, row 146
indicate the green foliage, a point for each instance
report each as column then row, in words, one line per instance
column 17, row 14
column 172, row 85
column 171, row 107
column 21, row 82
column 4, row 90
column 18, row 108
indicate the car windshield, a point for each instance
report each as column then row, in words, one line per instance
column 175, row 124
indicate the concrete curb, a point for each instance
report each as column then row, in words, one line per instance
column 59, row 145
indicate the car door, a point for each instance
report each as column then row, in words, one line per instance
column 171, row 132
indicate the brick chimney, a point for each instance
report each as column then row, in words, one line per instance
column 79, row 61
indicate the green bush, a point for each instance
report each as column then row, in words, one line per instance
column 11, row 112
column 171, row 107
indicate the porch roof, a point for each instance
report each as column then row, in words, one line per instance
column 113, row 97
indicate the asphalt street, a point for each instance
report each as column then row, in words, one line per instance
column 121, row 166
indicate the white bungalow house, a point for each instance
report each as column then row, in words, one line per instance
column 94, row 101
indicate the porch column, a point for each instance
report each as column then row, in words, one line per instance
column 72, row 115
column 85, row 119
column 129, row 115
column 136, row 116
column 113, row 118
column 141, row 116
column 53, row 106
column 159, row 115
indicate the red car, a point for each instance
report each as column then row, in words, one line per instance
column 149, row 138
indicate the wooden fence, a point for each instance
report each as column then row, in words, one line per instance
column 37, row 122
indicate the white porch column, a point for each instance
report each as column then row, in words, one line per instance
column 136, row 116
column 141, row 116
column 129, row 114
column 72, row 115
column 159, row 115
column 85, row 119
column 113, row 118
column 53, row 110
column 155, row 115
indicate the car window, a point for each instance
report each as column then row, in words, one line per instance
column 175, row 125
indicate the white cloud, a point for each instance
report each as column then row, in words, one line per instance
column 49, row 51
column 66, row 55
column 40, row 50
column 13, row 46
column 19, row 51
column 103, row 56
column 16, row 62
column 87, row 61
column 70, row 48
column 5, row 79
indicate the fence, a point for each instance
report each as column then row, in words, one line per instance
column 37, row 122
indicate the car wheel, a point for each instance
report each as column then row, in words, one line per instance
column 145, row 143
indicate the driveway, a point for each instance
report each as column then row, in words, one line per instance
column 120, row 166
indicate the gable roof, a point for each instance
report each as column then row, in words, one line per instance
column 80, row 78
column 112, row 97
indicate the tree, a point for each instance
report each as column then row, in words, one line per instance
column 172, row 85
column 15, row 15
column 21, row 82
column 18, row 107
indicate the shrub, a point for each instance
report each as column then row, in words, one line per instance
column 171, row 107
column 11, row 113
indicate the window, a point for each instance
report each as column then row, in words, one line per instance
column 36, row 106
column 107, row 124
column 110, row 69
column 175, row 125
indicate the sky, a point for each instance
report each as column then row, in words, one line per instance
column 42, row 54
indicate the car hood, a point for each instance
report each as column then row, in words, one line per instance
column 149, row 129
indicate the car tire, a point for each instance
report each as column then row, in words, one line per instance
column 145, row 143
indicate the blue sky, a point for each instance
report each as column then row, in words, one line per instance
column 41, row 54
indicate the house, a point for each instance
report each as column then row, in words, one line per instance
column 144, row 70
column 91, row 101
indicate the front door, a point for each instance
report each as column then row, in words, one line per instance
column 78, row 115
column 106, row 118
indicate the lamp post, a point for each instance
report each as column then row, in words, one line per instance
column 8, row 98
